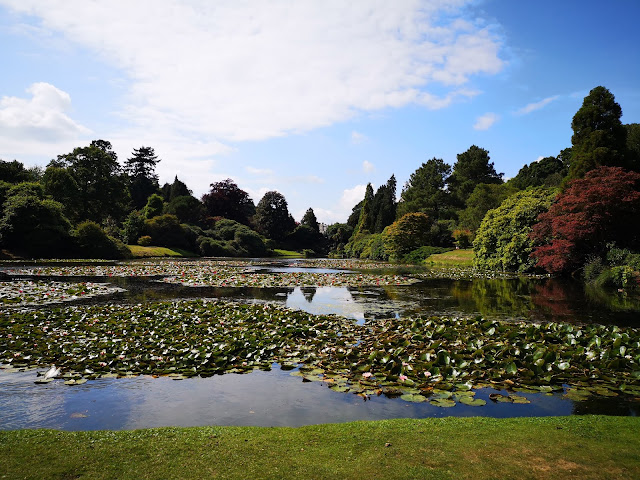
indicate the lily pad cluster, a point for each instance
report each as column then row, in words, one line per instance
column 22, row 293
column 438, row 359
column 224, row 278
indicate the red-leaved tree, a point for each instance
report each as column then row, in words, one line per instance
column 592, row 212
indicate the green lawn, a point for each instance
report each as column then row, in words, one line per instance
column 139, row 251
column 574, row 447
column 454, row 258
column 287, row 253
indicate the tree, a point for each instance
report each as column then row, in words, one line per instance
column 62, row 187
column 101, row 184
column 425, row 191
column 154, row 206
column 502, row 242
column 175, row 189
column 472, row 168
column 227, row 200
column 188, row 209
column 14, row 172
column 546, row 172
column 411, row 231
column 365, row 222
column 384, row 205
column 309, row 219
column 485, row 197
column 633, row 146
column 34, row 225
column 272, row 218
column 599, row 138
column 352, row 221
column 143, row 180
column 591, row 213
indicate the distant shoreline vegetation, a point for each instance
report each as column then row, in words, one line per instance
column 572, row 214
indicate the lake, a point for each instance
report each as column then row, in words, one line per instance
column 275, row 397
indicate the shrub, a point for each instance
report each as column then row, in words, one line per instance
column 411, row 231
column 502, row 242
column 463, row 237
column 144, row 240
column 93, row 242
column 165, row 230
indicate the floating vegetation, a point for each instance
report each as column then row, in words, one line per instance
column 216, row 273
column 23, row 293
column 442, row 359
column 201, row 277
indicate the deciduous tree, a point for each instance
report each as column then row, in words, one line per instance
column 226, row 199
column 601, row 208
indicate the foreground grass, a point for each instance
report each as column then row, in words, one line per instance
column 448, row 448
column 454, row 258
column 139, row 251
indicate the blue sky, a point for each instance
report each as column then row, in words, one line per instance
column 314, row 99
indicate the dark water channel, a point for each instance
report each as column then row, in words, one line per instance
column 276, row 398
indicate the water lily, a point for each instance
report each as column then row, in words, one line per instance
column 402, row 378
column 366, row 374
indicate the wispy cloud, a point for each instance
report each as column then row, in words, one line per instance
column 368, row 167
column 486, row 121
column 532, row 107
column 233, row 71
column 258, row 171
column 357, row 138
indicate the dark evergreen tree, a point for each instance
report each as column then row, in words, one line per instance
column 272, row 218
column 365, row 222
column 143, row 180
column 425, row 191
column 309, row 219
column 472, row 168
column 384, row 205
column 178, row 188
column 599, row 138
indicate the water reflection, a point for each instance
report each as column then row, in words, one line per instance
column 272, row 398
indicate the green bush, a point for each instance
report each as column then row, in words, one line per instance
column 209, row 247
column 411, row 231
column 592, row 269
column 619, row 277
column 502, row 242
column 144, row 241
column 166, row 231
column 93, row 242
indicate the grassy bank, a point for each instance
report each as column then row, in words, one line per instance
column 449, row 448
column 139, row 251
column 454, row 258
column 278, row 252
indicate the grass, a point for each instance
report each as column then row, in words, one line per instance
column 454, row 258
column 287, row 253
column 576, row 447
column 139, row 251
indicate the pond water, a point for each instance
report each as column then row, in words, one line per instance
column 277, row 398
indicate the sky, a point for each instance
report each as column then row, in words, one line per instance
column 312, row 98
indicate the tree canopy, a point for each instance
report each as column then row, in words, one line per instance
column 272, row 218
column 425, row 191
column 592, row 212
column 226, row 199
column 472, row 168
column 599, row 138
column 143, row 180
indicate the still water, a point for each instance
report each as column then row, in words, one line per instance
column 275, row 398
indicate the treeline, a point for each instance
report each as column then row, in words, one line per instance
column 85, row 204
column 577, row 212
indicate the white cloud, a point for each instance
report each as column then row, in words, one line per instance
column 486, row 121
column 532, row 107
column 368, row 167
column 235, row 70
column 340, row 211
column 41, row 118
column 357, row 138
